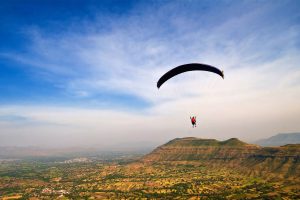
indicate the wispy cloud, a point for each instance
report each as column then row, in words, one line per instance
column 135, row 52
column 14, row 118
column 255, row 44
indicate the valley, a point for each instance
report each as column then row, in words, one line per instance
column 184, row 168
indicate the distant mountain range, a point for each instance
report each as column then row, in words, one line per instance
column 251, row 159
column 280, row 140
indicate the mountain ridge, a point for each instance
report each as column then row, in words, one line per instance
column 192, row 148
column 280, row 139
column 250, row 158
column 193, row 141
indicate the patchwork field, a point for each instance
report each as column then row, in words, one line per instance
column 136, row 180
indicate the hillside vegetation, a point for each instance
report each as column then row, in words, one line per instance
column 271, row 162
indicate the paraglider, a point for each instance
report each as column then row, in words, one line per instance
column 185, row 68
column 188, row 67
column 193, row 120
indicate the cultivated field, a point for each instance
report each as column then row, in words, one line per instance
column 135, row 180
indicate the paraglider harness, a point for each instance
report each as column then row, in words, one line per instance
column 193, row 120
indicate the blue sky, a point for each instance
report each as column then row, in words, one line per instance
column 20, row 19
column 74, row 63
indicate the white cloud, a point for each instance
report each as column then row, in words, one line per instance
column 258, row 96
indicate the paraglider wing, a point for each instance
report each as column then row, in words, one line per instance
column 188, row 67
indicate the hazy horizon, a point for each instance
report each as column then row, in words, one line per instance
column 127, row 145
column 84, row 74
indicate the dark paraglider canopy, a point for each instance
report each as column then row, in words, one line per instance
column 188, row 67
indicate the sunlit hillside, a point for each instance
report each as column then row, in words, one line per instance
column 183, row 168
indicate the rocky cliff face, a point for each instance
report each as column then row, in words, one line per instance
column 281, row 161
column 276, row 162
